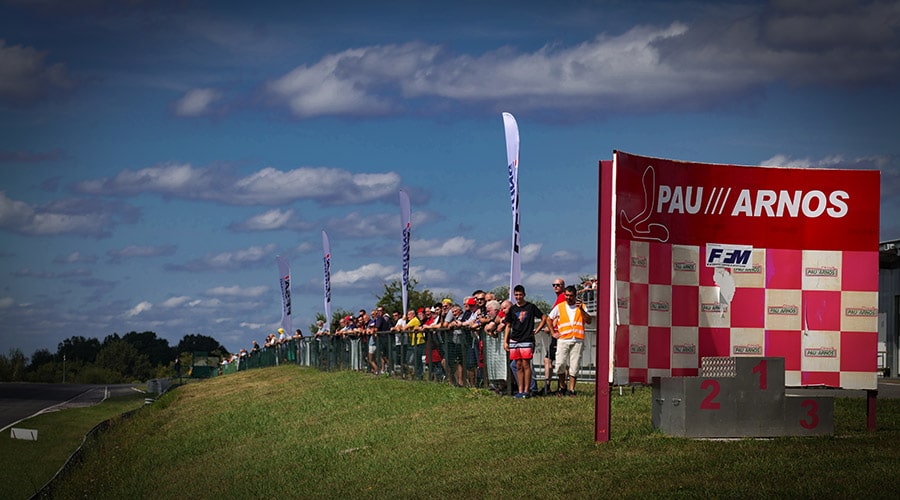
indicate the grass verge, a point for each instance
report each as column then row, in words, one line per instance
column 297, row 432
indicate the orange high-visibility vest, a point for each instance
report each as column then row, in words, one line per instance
column 570, row 328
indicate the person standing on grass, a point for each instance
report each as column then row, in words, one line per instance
column 569, row 318
column 559, row 286
column 518, row 339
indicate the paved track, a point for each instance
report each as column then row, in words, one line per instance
column 22, row 400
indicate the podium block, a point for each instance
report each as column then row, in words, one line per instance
column 737, row 397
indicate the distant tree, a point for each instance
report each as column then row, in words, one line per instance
column 109, row 339
column 335, row 320
column 156, row 349
column 79, row 348
column 41, row 357
column 501, row 292
column 392, row 298
column 12, row 367
column 123, row 358
column 202, row 343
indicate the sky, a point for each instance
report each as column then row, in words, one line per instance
column 156, row 156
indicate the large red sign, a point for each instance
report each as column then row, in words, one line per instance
column 680, row 202
column 726, row 260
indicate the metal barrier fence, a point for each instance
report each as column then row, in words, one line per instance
column 461, row 357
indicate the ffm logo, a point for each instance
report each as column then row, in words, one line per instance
column 733, row 256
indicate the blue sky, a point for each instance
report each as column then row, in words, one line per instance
column 156, row 156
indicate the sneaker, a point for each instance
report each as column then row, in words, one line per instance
column 520, row 395
column 561, row 392
column 571, row 394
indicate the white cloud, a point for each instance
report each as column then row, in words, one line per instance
column 359, row 225
column 500, row 251
column 682, row 66
column 269, row 221
column 237, row 291
column 73, row 216
column 268, row 186
column 138, row 309
column 238, row 259
column 197, row 102
column 364, row 275
column 175, row 301
column 454, row 246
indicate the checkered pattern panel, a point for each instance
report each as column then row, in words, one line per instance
column 816, row 309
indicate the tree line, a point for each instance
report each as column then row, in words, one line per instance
column 135, row 356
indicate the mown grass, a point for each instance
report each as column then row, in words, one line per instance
column 26, row 466
column 297, row 432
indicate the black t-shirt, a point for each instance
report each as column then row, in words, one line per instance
column 521, row 321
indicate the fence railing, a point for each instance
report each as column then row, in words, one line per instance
column 461, row 357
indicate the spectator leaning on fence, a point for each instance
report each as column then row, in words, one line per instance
column 413, row 329
column 569, row 319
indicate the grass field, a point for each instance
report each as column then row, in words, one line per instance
column 25, row 466
column 297, row 432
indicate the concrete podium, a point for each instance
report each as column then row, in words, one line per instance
column 737, row 397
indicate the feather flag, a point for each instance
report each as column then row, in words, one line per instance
column 404, row 222
column 512, row 158
column 326, row 251
column 284, row 273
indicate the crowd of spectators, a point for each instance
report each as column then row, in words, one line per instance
column 459, row 343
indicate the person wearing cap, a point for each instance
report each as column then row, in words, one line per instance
column 434, row 343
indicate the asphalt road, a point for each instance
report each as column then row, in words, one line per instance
column 22, row 400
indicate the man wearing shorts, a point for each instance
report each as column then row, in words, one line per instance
column 518, row 339
column 569, row 319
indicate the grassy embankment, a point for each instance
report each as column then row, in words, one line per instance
column 298, row 432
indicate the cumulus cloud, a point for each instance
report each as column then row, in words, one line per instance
column 271, row 220
column 175, row 301
column 253, row 256
column 500, row 250
column 454, row 246
column 137, row 251
column 138, row 309
column 358, row 225
column 80, row 217
column 268, row 186
column 363, row 276
column 25, row 76
column 197, row 102
column 678, row 66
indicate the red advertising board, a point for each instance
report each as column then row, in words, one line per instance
column 727, row 260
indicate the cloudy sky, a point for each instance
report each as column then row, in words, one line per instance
column 155, row 156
